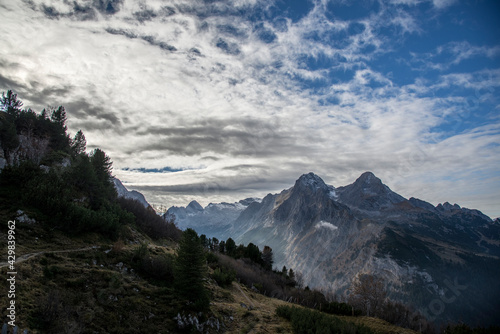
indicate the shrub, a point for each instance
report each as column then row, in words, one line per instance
column 310, row 321
column 147, row 220
column 341, row 309
column 160, row 267
column 223, row 277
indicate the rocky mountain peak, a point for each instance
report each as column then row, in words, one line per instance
column 310, row 181
column 446, row 206
column 194, row 206
column 368, row 179
column 368, row 193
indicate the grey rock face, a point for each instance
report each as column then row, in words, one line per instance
column 329, row 235
column 124, row 192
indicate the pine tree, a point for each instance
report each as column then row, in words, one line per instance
column 59, row 116
column 267, row 257
column 11, row 104
column 230, row 247
column 102, row 165
column 79, row 144
column 190, row 271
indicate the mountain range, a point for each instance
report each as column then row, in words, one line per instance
column 444, row 260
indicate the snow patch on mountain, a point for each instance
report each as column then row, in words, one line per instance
column 327, row 225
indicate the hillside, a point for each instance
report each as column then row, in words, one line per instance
column 64, row 289
column 443, row 260
column 85, row 255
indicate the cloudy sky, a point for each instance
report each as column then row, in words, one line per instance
column 220, row 100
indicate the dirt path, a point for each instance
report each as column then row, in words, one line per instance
column 25, row 257
column 244, row 295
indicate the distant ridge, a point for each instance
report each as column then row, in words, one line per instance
column 124, row 192
column 331, row 234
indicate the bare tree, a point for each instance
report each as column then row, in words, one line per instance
column 368, row 294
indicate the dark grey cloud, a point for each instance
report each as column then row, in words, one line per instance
column 82, row 110
column 82, row 11
column 266, row 35
column 145, row 15
column 9, row 84
column 50, row 12
column 34, row 94
column 229, row 186
column 108, row 7
column 228, row 47
column 147, row 38
column 237, row 137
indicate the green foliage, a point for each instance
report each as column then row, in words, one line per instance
column 8, row 136
column 148, row 221
column 10, row 103
column 79, row 143
column 310, row 321
column 253, row 253
column 75, row 199
column 230, row 247
column 223, row 276
column 464, row 329
column 54, row 157
column 190, row 272
column 211, row 258
column 340, row 309
column 267, row 258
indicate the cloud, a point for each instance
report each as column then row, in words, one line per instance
column 441, row 4
column 236, row 97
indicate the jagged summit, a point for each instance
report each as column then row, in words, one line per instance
column 194, row 206
column 368, row 193
column 368, row 178
column 311, row 181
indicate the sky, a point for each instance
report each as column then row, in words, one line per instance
column 221, row 100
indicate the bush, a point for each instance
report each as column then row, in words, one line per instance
column 160, row 267
column 148, row 221
column 223, row 277
column 341, row 309
column 310, row 321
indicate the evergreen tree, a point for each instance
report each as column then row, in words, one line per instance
column 284, row 271
column 190, row 271
column 267, row 257
column 215, row 244
column 253, row 253
column 10, row 104
column 8, row 132
column 230, row 247
column 59, row 139
column 222, row 247
column 102, row 165
column 79, row 144
column 59, row 117
column 204, row 241
column 8, row 136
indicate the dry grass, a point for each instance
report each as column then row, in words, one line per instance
column 240, row 309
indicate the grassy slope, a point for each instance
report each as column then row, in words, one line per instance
column 87, row 291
